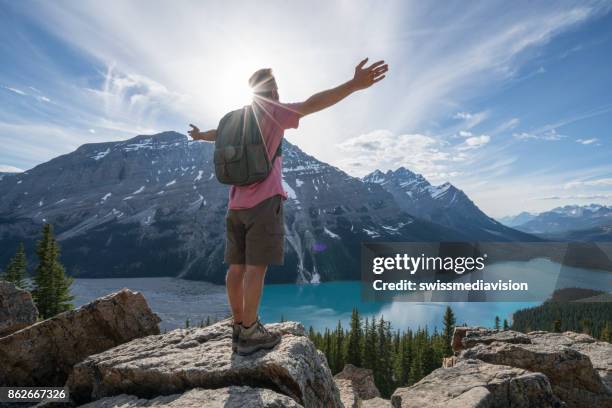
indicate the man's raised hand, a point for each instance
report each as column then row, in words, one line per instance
column 194, row 132
column 366, row 77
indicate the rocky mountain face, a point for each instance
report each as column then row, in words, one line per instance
column 510, row 369
column 444, row 204
column 561, row 220
column 151, row 206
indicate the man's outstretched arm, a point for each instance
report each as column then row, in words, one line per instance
column 208, row 136
column 363, row 78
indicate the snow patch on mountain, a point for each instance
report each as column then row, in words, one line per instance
column 290, row 191
column 331, row 234
column 101, row 155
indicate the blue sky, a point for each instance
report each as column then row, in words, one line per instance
column 508, row 101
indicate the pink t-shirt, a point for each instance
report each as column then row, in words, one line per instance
column 274, row 118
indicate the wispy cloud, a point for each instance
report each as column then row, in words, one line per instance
column 384, row 150
column 577, row 197
column 475, row 142
column 6, row 168
column 15, row 90
column 550, row 135
column 587, row 141
column 589, row 183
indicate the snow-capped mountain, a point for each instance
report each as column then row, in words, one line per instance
column 569, row 218
column 151, row 206
column 444, row 204
column 514, row 220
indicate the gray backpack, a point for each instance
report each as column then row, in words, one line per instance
column 241, row 156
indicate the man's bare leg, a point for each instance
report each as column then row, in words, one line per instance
column 234, row 281
column 253, row 285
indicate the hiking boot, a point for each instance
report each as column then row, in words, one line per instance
column 256, row 338
column 235, row 335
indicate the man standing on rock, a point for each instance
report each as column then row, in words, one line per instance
column 254, row 221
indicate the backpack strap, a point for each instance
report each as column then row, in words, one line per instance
column 250, row 109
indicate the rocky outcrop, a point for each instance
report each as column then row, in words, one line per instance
column 17, row 308
column 473, row 383
column 576, row 366
column 375, row 403
column 243, row 397
column 348, row 395
column 599, row 352
column 570, row 372
column 181, row 360
column 466, row 337
column 43, row 354
column 362, row 380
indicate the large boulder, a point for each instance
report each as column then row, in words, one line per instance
column 43, row 354
column 17, row 308
column 227, row 397
column 362, row 380
column 578, row 366
column 466, row 337
column 184, row 359
column 599, row 352
column 570, row 372
column 473, row 383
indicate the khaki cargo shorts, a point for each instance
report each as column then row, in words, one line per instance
column 256, row 236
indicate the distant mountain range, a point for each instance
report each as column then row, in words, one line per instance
column 151, row 206
column 572, row 222
column 444, row 204
column 4, row 174
column 519, row 219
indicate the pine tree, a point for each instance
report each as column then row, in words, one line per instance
column 586, row 326
column 339, row 349
column 416, row 368
column 403, row 359
column 51, row 285
column 383, row 374
column 497, row 321
column 370, row 358
column 556, row 326
column 353, row 354
column 449, row 328
column 506, row 325
column 16, row 269
column 606, row 333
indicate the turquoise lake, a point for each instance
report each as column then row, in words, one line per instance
column 322, row 305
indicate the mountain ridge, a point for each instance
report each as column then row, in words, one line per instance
column 149, row 206
column 444, row 204
column 569, row 220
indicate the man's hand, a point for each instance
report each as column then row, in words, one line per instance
column 194, row 132
column 363, row 78
column 366, row 77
